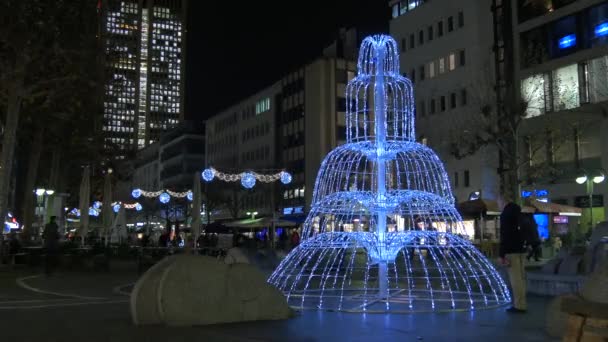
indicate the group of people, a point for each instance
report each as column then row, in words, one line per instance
column 519, row 240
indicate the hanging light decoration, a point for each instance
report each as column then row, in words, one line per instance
column 248, row 180
column 136, row 193
column 189, row 195
column 164, row 198
column 285, row 177
column 251, row 177
column 208, row 175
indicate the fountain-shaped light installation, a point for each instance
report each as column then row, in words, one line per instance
column 382, row 233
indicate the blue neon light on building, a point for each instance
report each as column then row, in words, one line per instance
column 567, row 41
column 601, row 29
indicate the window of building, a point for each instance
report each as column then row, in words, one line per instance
column 452, row 61
column 440, row 29
column 421, row 73
column 450, row 24
column 421, row 108
column 442, row 103
column 455, row 179
column 460, row 19
column 461, row 58
column 431, row 69
column 565, row 88
column 463, row 97
column 597, row 79
column 413, row 75
column 403, row 44
column 420, row 37
column 441, row 65
column 432, row 109
column 466, row 179
column 453, row 100
column 430, row 33
column 412, row 42
column 534, row 93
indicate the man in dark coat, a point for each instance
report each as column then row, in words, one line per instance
column 530, row 230
column 512, row 254
column 51, row 245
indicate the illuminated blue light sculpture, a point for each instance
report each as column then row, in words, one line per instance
column 164, row 198
column 285, row 177
column 601, row 30
column 190, row 195
column 136, row 193
column 116, row 207
column 208, row 175
column 382, row 234
column 247, row 180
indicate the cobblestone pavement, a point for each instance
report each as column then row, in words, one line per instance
column 94, row 307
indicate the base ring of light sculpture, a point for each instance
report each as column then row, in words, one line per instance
column 432, row 271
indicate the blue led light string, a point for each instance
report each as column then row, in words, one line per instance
column 382, row 178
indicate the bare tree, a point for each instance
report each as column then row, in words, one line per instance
column 524, row 158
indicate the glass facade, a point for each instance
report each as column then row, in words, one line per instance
column 566, row 87
column 581, row 30
column 143, row 61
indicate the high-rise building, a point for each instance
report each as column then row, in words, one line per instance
column 446, row 51
column 557, row 65
column 143, row 45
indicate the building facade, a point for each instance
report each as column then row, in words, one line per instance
column 290, row 125
column 240, row 138
column 560, row 65
column 171, row 162
column 143, row 44
column 446, row 51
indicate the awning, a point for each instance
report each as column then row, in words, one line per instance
column 552, row 208
column 478, row 207
column 260, row 223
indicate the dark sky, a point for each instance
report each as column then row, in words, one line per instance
column 235, row 48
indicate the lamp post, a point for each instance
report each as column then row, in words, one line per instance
column 252, row 214
column 41, row 194
column 590, row 179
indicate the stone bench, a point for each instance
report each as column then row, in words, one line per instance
column 553, row 284
column 587, row 320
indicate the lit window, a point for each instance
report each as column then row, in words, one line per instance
column 441, row 65
column 452, row 61
column 431, row 69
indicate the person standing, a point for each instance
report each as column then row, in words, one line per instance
column 529, row 228
column 51, row 245
column 512, row 254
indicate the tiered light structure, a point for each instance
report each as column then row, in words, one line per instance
column 382, row 233
column 247, row 178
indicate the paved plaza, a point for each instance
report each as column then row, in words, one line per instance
column 94, row 307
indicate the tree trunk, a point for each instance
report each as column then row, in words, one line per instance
column 30, row 181
column 15, row 96
column 54, row 183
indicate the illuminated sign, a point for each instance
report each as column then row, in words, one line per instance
column 560, row 219
column 535, row 193
column 567, row 41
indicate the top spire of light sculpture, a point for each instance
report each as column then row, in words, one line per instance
column 382, row 233
column 380, row 99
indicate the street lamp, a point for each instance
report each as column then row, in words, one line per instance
column 590, row 179
column 41, row 193
column 252, row 213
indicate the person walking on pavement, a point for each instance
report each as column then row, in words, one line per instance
column 51, row 245
column 512, row 254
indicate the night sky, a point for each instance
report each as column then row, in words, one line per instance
column 236, row 48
